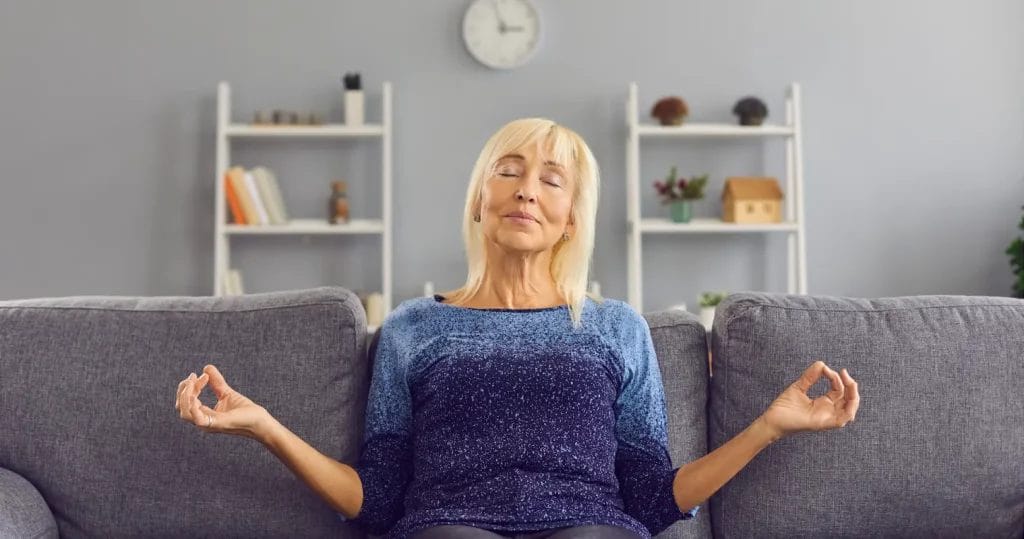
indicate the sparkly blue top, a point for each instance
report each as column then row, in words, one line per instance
column 512, row 420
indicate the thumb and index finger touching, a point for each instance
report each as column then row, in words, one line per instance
column 218, row 384
column 842, row 386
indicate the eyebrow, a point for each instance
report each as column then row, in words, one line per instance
column 521, row 158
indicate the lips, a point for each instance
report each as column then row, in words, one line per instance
column 521, row 215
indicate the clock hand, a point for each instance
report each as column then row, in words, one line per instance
column 502, row 28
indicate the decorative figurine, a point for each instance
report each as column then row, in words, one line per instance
column 751, row 110
column 337, row 210
column 670, row 110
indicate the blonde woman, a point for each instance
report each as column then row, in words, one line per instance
column 518, row 405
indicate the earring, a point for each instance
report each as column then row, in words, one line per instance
column 476, row 218
column 565, row 236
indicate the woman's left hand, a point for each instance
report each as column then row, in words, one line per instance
column 793, row 411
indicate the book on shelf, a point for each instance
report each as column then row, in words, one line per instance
column 261, row 210
column 270, row 193
column 254, row 197
column 233, row 282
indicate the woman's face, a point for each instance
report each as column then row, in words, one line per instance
column 528, row 181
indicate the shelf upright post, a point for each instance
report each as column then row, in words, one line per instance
column 798, row 167
column 635, row 268
column 220, row 238
column 386, row 193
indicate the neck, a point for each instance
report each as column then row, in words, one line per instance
column 518, row 281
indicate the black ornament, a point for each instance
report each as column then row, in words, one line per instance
column 751, row 110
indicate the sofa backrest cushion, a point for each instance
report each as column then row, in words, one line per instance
column 680, row 344
column 936, row 449
column 87, row 389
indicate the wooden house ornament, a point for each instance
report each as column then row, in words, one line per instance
column 752, row 199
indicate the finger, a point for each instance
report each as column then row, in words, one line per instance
column 201, row 382
column 218, row 384
column 198, row 417
column 184, row 399
column 810, row 376
column 852, row 395
column 207, row 413
column 177, row 394
column 837, row 390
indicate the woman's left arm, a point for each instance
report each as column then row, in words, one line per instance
column 793, row 411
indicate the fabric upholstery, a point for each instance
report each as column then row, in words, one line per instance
column 23, row 511
column 936, row 449
column 87, row 390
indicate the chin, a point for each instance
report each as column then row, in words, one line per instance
column 521, row 244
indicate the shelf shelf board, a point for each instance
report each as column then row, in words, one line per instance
column 706, row 225
column 713, row 130
column 310, row 226
column 305, row 131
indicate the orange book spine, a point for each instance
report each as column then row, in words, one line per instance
column 236, row 207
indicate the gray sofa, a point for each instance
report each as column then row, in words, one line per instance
column 90, row 444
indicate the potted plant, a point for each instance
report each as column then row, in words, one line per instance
column 708, row 302
column 1016, row 252
column 680, row 194
column 670, row 110
column 751, row 110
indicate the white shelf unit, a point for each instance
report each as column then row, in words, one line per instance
column 793, row 219
column 227, row 131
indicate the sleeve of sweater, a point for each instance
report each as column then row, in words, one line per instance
column 385, row 462
column 642, row 463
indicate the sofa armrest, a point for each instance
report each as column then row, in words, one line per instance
column 23, row 511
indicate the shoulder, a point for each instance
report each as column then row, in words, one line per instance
column 405, row 317
column 617, row 318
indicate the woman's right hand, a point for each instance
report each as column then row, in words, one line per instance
column 234, row 413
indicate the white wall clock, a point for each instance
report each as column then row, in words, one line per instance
column 501, row 34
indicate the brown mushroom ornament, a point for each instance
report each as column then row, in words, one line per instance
column 670, row 110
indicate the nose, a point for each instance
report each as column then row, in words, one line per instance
column 521, row 195
column 526, row 191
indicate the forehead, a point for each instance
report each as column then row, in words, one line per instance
column 535, row 153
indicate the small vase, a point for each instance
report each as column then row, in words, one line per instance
column 682, row 210
column 707, row 317
column 354, row 107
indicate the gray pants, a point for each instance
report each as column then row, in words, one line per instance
column 451, row 531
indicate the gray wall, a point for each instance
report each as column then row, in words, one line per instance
column 914, row 147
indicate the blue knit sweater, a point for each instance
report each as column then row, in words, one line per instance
column 512, row 420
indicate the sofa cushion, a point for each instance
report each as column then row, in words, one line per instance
column 936, row 449
column 680, row 343
column 88, row 385
column 23, row 511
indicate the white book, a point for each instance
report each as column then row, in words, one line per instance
column 262, row 177
column 275, row 189
column 261, row 210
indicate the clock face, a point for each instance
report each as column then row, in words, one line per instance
column 501, row 34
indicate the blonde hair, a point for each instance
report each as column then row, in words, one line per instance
column 570, row 261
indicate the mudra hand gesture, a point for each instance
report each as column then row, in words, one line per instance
column 234, row 413
column 793, row 411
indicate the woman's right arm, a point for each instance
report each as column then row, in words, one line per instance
column 336, row 482
column 369, row 493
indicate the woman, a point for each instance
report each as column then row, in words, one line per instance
column 535, row 410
